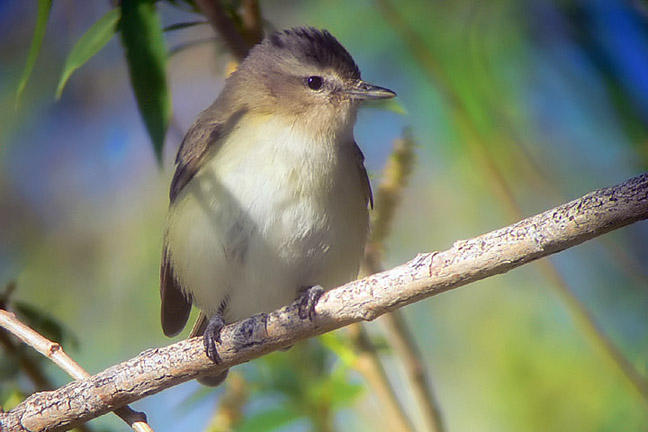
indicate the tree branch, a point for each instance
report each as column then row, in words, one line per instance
column 426, row 275
column 53, row 351
column 502, row 188
column 393, row 180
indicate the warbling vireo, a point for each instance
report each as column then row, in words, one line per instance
column 270, row 195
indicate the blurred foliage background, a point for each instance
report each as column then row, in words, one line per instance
column 515, row 106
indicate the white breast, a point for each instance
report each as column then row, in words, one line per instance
column 274, row 210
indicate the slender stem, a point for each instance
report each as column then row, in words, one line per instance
column 54, row 352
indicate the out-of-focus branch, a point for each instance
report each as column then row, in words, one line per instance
column 588, row 325
column 54, row 351
column 583, row 318
column 30, row 367
column 230, row 407
column 418, row 378
column 394, row 180
column 252, row 21
column 369, row 365
column 223, row 26
column 426, row 275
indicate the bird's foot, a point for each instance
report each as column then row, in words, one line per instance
column 212, row 336
column 307, row 300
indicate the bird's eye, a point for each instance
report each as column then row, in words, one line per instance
column 314, row 82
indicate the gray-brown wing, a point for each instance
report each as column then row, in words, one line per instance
column 203, row 138
column 192, row 152
column 202, row 135
column 206, row 132
column 364, row 177
column 175, row 305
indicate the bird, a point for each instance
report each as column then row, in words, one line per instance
column 270, row 198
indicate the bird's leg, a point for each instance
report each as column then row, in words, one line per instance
column 308, row 297
column 212, row 336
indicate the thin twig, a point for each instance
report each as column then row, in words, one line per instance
column 428, row 274
column 54, row 352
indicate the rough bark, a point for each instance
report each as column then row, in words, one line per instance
column 426, row 275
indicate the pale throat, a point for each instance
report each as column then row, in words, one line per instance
column 284, row 148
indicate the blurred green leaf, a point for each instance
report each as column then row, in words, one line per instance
column 344, row 392
column 44, row 7
column 9, row 368
column 88, row 45
column 268, row 420
column 11, row 397
column 46, row 325
column 340, row 346
column 142, row 37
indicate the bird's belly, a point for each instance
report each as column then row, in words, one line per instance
column 250, row 246
column 294, row 248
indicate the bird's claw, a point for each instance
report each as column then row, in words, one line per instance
column 212, row 337
column 307, row 301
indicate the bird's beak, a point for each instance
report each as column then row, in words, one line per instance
column 361, row 90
